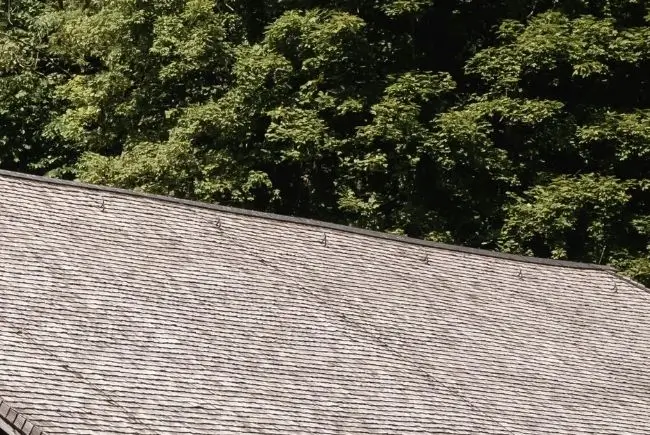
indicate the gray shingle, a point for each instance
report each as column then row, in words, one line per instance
column 150, row 316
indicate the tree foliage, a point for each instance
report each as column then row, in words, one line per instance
column 520, row 126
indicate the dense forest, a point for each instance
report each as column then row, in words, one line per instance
column 521, row 126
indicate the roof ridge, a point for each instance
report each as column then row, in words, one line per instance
column 16, row 421
column 312, row 223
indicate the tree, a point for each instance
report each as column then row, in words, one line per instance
column 521, row 126
column 582, row 92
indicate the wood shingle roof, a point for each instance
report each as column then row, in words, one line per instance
column 123, row 313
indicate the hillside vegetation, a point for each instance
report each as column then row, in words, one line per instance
column 521, row 126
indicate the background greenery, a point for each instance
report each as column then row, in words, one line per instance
column 516, row 125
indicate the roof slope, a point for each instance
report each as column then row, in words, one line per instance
column 128, row 314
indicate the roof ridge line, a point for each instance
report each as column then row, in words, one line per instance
column 311, row 222
column 12, row 418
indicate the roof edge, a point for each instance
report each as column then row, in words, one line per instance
column 631, row 282
column 312, row 223
column 15, row 423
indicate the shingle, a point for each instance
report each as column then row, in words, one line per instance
column 149, row 316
